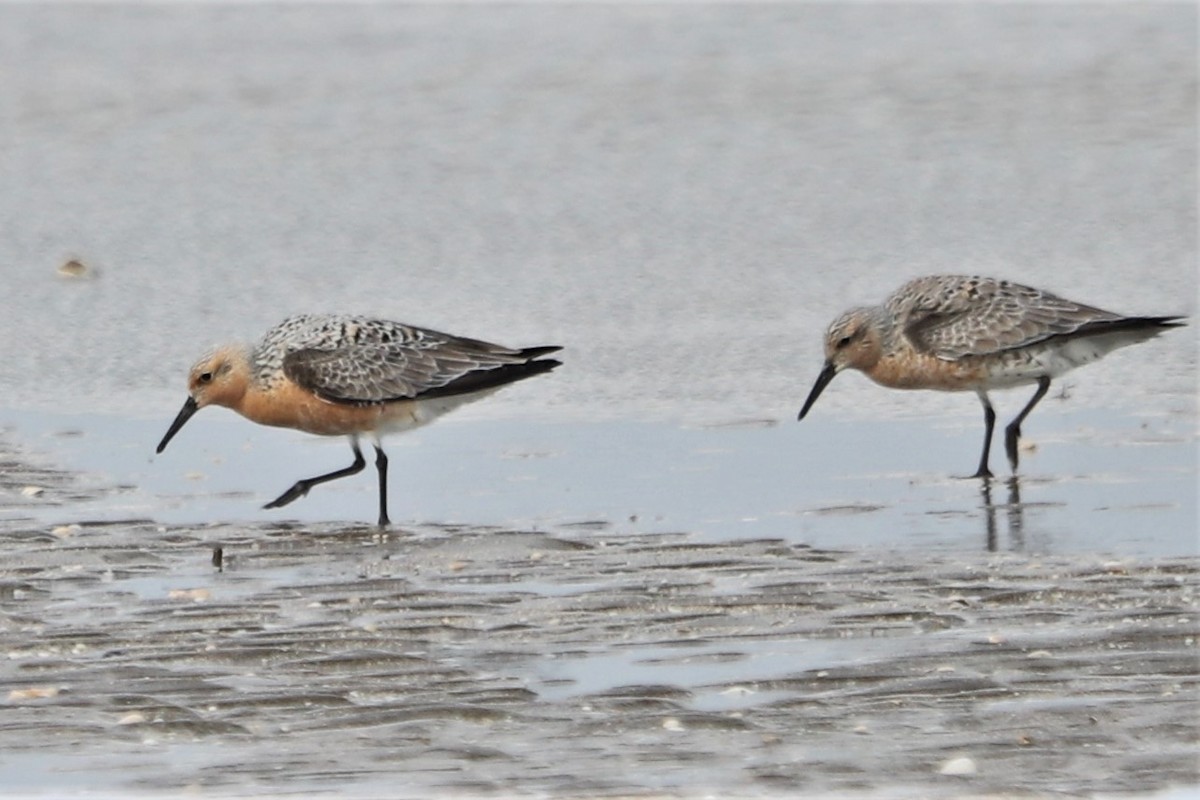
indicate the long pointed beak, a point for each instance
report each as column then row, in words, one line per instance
column 823, row 380
column 184, row 415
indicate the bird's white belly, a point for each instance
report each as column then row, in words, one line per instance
column 1051, row 360
column 415, row 413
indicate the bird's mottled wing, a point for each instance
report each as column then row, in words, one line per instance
column 366, row 368
column 954, row 317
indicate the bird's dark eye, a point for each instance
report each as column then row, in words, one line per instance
column 842, row 342
column 205, row 377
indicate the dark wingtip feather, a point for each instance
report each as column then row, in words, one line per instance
column 534, row 352
column 1148, row 325
column 482, row 379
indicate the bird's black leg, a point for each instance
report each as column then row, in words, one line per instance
column 301, row 487
column 989, row 424
column 381, row 462
column 1013, row 431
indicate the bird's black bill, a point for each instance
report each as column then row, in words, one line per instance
column 184, row 415
column 822, row 381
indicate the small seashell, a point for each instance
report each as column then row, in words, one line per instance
column 195, row 595
column 32, row 693
column 74, row 268
column 958, row 766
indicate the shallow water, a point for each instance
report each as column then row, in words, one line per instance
column 638, row 576
column 1097, row 482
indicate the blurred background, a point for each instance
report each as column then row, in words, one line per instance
column 684, row 197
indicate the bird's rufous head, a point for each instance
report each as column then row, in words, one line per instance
column 853, row 341
column 219, row 378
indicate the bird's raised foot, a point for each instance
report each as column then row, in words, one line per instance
column 298, row 490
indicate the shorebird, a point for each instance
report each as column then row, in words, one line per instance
column 341, row 375
column 958, row 333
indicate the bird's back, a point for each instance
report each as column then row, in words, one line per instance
column 954, row 316
column 363, row 360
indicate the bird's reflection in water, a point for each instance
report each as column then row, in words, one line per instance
column 1014, row 513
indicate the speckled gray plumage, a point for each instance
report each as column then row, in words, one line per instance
column 956, row 316
column 358, row 359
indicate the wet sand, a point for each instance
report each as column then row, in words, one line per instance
column 581, row 660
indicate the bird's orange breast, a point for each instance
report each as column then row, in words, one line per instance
column 286, row 405
column 911, row 370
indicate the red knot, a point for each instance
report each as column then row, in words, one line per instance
column 340, row 375
column 954, row 333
